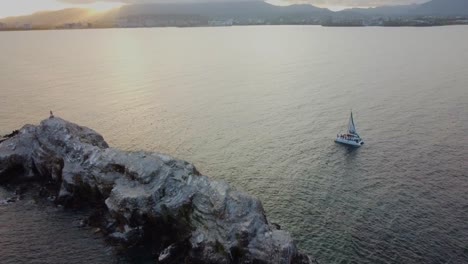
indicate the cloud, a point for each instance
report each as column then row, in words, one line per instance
column 321, row 3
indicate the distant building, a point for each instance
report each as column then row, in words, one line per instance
column 128, row 23
column 461, row 21
column 74, row 25
column 221, row 23
column 25, row 26
column 121, row 22
column 150, row 23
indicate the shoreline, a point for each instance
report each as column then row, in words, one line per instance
column 282, row 25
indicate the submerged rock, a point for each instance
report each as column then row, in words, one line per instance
column 145, row 198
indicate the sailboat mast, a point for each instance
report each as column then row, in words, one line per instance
column 351, row 126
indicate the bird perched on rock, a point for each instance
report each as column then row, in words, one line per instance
column 51, row 114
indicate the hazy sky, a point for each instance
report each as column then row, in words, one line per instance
column 23, row 7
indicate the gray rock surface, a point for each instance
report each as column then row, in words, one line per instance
column 146, row 198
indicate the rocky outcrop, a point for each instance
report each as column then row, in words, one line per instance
column 145, row 198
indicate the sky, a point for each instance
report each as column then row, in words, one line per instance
column 25, row 7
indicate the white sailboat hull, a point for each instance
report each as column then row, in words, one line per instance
column 352, row 142
column 351, row 138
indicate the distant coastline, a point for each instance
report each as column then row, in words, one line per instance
column 242, row 13
column 334, row 24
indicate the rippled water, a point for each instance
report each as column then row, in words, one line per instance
column 40, row 233
column 259, row 107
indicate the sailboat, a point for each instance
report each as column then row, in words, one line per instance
column 351, row 137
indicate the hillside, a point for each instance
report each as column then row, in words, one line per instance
column 236, row 13
column 383, row 10
column 432, row 8
column 444, row 8
column 221, row 9
column 174, row 14
column 51, row 18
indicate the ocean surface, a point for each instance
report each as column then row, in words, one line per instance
column 259, row 107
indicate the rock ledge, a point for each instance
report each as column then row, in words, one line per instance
column 145, row 198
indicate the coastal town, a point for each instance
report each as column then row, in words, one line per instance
column 242, row 13
column 142, row 21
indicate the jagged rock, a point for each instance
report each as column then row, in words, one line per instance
column 146, row 197
column 12, row 134
column 8, row 201
column 81, row 223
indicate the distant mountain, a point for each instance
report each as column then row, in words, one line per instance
column 434, row 8
column 218, row 13
column 48, row 19
column 257, row 9
column 383, row 10
column 226, row 12
column 443, row 8
column 177, row 14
